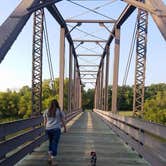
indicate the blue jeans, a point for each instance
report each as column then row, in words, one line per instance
column 53, row 137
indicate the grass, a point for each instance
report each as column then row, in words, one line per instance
column 126, row 113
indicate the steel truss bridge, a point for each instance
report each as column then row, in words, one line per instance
column 87, row 131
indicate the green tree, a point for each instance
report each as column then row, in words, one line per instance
column 88, row 99
column 9, row 104
column 25, row 105
column 155, row 108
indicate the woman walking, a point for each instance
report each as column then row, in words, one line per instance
column 53, row 117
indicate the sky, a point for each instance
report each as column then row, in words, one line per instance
column 15, row 69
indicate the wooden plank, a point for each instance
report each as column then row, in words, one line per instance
column 143, row 138
column 87, row 133
column 17, row 141
column 10, row 161
column 147, row 153
column 13, row 143
column 155, row 129
column 12, row 127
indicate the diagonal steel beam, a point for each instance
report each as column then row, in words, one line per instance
column 13, row 25
column 156, row 8
column 129, row 9
column 56, row 14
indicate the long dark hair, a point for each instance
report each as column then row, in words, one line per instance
column 54, row 105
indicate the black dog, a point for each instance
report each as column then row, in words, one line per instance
column 93, row 158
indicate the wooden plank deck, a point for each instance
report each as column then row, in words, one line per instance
column 87, row 133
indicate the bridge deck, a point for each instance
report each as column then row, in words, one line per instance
column 87, row 133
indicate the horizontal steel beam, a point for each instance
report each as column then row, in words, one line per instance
column 90, row 41
column 87, row 74
column 89, row 55
column 87, row 78
column 88, row 71
column 90, row 21
column 89, row 82
column 88, row 65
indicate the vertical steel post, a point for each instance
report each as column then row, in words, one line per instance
column 70, row 79
column 107, row 79
column 102, row 92
column 76, row 90
column 74, row 86
column 37, row 54
column 99, row 90
column 61, row 67
column 116, row 70
column 80, row 95
column 141, row 49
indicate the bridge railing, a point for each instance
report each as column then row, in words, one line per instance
column 19, row 138
column 148, row 139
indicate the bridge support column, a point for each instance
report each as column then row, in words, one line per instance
column 106, row 79
column 141, row 47
column 101, row 90
column 62, row 66
column 37, row 54
column 116, row 70
column 97, row 91
column 74, row 86
column 70, row 79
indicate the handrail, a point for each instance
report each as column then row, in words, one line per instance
column 21, row 137
column 148, row 139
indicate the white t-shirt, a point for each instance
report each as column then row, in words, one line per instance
column 54, row 122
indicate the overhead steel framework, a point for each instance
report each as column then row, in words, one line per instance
column 12, row 27
column 37, row 55
column 141, row 50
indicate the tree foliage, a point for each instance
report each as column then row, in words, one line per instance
column 155, row 108
column 18, row 104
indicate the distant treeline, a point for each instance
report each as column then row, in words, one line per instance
column 17, row 105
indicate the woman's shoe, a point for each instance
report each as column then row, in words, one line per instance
column 54, row 162
column 49, row 157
